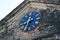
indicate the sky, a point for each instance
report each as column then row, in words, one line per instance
column 6, row 6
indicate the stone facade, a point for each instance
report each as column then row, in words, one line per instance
column 9, row 28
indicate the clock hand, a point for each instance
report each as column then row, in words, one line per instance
column 26, row 27
column 27, row 24
column 30, row 19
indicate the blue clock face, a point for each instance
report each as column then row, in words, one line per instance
column 30, row 21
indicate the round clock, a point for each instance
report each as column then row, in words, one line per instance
column 29, row 21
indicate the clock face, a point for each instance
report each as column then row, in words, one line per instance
column 29, row 21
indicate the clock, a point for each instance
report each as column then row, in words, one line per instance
column 29, row 21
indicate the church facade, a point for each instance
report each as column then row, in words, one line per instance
column 32, row 20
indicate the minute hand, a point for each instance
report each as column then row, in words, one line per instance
column 27, row 24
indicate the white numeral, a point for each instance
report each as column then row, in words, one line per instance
column 38, row 18
column 36, row 22
column 33, row 25
column 21, row 24
column 26, row 16
column 22, row 27
column 37, row 14
column 30, row 14
column 29, row 28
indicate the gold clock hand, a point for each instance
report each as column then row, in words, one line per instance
column 27, row 24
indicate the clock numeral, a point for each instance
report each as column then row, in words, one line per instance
column 21, row 24
column 26, row 16
column 29, row 28
column 25, row 28
column 33, row 26
column 38, row 18
column 34, row 13
column 22, row 27
column 36, row 22
column 24, row 22
column 30, row 14
column 29, row 17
